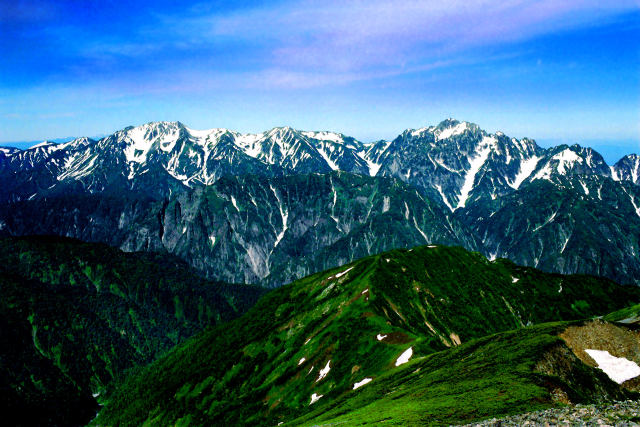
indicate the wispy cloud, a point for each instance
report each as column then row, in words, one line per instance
column 313, row 43
column 348, row 35
column 533, row 61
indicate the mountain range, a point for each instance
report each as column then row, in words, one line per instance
column 273, row 207
column 395, row 300
column 458, row 160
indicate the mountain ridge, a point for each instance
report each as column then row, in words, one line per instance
column 159, row 147
column 307, row 345
column 473, row 177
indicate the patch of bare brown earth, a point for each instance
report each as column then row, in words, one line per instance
column 618, row 340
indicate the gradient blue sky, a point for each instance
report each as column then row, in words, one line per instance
column 551, row 70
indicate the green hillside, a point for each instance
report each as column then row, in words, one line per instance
column 77, row 316
column 305, row 345
column 507, row 373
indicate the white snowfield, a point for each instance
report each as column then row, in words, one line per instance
column 344, row 272
column 618, row 369
column 324, row 371
column 361, row 383
column 380, row 337
column 404, row 357
column 475, row 163
column 314, row 398
column 451, row 131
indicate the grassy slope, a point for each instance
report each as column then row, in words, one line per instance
column 487, row 377
column 87, row 313
column 251, row 370
column 627, row 315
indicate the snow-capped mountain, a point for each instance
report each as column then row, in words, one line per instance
column 627, row 169
column 158, row 157
column 459, row 164
column 456, row 163
column 150, row 187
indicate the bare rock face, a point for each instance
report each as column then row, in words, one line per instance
column 251, row 229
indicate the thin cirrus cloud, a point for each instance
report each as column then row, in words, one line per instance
column 313, row 43
column 350, row 35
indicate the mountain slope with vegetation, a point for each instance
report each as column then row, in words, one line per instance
column 306, row 344
column 79, row 315
column 507, row 373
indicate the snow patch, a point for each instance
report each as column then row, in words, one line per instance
column 618, row 369
column 566, row 158
column 474, row 167
column 380, row 337
column 324, row 136
column 250, row 144
column 324, row 371
column 344, row 272
column 283, row 213
column 404, row 357
column 564, row 245
column 550, row 219
column 444, row 197
column 451, row 131
column 633, row 202
column 585, row 188
column 361, row 383
column 42, row 144
column 326, row 158
column 424, row 236
column 514, row 279
column 202, row 134
column 385, row 204
column 373, row 167
column 526, row 169
column 614, row 173
column 301, row 361
column 315, row 398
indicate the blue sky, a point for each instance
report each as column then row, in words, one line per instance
column 554, row 71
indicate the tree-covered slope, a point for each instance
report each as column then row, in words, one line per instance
column 76, row 316
column 306, row 344
column 34, row 391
